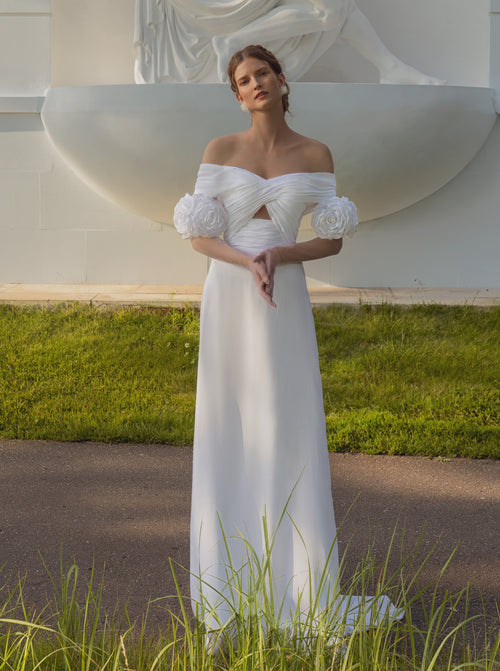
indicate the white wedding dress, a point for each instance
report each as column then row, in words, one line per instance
column 260, row 450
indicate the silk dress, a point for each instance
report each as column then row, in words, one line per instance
column 261, row 479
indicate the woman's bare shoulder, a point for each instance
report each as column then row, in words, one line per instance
column 220, row 149
column 317, row 156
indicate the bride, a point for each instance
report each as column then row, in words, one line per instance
column 261, row 479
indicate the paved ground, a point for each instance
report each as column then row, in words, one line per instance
column 126, row 507
column 140, row 294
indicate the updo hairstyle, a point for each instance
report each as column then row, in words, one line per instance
column 262, row 54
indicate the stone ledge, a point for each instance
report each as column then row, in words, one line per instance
column 21, row 104
column 25, row 7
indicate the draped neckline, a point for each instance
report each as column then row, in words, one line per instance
column 269, row 179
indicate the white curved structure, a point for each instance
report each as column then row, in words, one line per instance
column 140, row 146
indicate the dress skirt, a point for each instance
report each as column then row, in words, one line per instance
column 261, row 477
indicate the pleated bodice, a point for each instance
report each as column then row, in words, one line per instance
column 286, row 197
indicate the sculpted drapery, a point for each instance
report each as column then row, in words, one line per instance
column 183, row 40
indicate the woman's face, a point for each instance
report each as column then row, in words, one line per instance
column 258, row 86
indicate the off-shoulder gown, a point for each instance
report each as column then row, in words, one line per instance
column 261, row 471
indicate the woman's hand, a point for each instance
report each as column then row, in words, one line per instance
column 262, row 280
column 263, row 267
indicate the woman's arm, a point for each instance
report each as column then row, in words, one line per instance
column 217, row 151
column 317, row 157
column 216, row 248
column 317, row 248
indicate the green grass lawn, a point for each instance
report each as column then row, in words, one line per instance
column 397, row 380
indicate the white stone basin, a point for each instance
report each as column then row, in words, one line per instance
column 140, row 145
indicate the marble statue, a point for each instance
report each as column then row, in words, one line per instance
column 192, row 40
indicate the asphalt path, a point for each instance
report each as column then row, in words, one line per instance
column 121, row 511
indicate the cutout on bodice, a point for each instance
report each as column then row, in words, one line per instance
column 262, row 213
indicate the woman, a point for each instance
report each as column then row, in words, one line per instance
column 261, row 480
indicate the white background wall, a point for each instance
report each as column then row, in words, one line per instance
column 451, row 239
column 53, row 228
column 448, row 39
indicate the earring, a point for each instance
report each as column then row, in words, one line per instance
column 244, row 107
column 284, row 90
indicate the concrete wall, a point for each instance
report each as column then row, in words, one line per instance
column 24, row 47
column 451, row 239
column 53, row 228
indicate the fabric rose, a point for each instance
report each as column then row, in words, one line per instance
column 199, row 214
column 335, row 218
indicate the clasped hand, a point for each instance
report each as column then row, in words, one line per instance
column 263, row 267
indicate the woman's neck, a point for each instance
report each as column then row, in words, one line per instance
column 269, row 129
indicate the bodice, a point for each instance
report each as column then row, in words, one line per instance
column 227, row 197
column 286, row 197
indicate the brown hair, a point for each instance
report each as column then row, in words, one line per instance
column 262, row 54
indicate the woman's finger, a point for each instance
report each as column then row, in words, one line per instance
column 264, row 283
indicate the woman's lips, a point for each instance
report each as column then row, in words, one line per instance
column 261, row 94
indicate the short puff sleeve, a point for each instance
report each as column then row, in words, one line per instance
column 334, row 218
column 200, row 215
